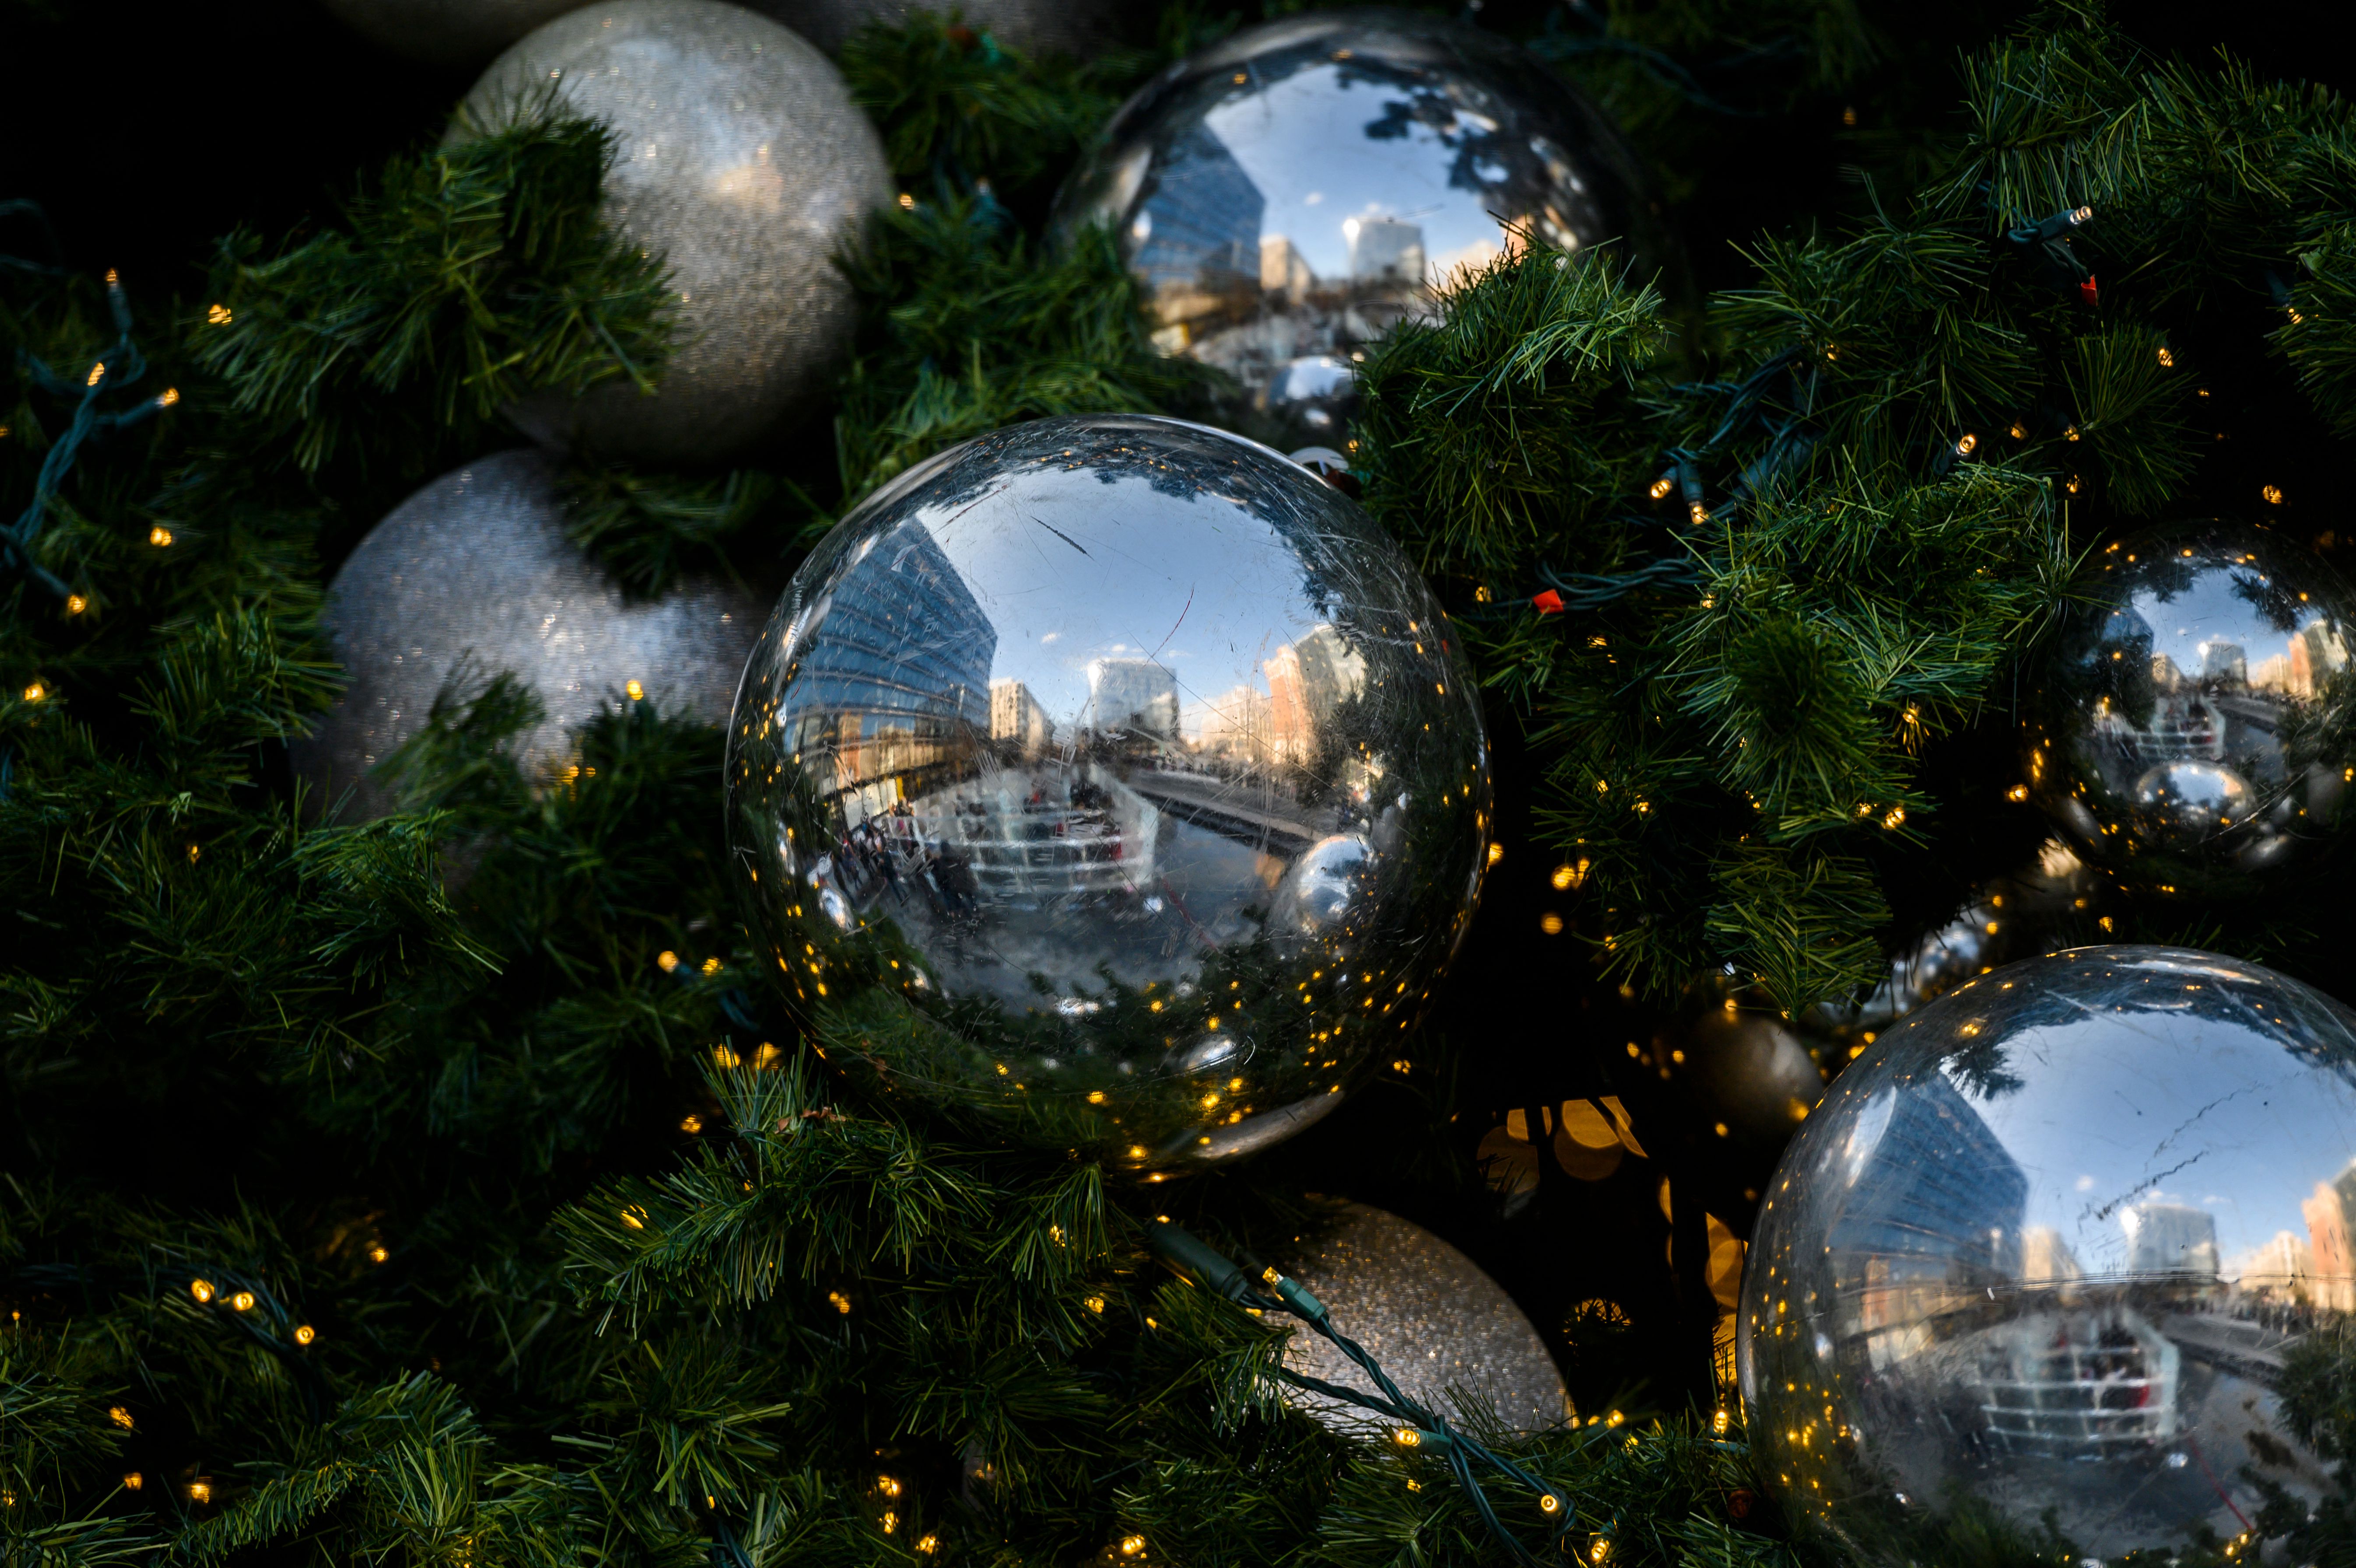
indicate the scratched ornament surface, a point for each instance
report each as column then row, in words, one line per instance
column 2054, row 1244
column 1113, row 778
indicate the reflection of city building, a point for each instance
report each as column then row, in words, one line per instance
column 1234, row 724
column 904, row 663
column 1284, row 270
column 1934, row 1214
column 2280, row 1270
column 1197, row 236
column 1134, row 694
column 2171, row 1237
column 2314, row 654
column 2334, row 1261
column 2046, row 1258
column 2165, row 675
column 2224, row 664
column 1306, row 682
column 1384, row 250
column 1015, row 715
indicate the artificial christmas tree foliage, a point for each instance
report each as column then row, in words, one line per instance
column 597, row 1259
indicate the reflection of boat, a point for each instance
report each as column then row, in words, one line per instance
column 2082, row 1384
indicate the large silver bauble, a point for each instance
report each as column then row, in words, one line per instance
column 1286, row 196
column 446, row 32
column 1431, row 1320
column 2045, row 1248
column 2200, row 717
column 740, row 159
column 474, row 576
column 1116, row 778
column 1075, row 27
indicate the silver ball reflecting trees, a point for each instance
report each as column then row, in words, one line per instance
column 1432, row 1321
column 1288, row 196
column 2199, row 724
column 2046, row 1248
column 738, row 157
column 1115, row 779
column 472, row 576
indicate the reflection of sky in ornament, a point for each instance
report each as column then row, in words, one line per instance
column 1401, row 175
column 1124, row 571
column 2207, row 612
column 2244, row 1144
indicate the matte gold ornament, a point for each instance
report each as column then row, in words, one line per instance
column 2043, row 1251
column 474, row 576
column 1114, row 779
column 2199, row 731
column 446, row 32
column 1290, row 195
column 740, row 158
column 1431, row 1318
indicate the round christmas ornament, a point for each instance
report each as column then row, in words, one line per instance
column 1116, row 779
column 2046, row 1252
column 2013, row 917
column 472, row 576
column 1431, row 1320
column 446, row 32
column 2199, row 727
column 740, row 158
column 1290, row 195
column 1076, row 28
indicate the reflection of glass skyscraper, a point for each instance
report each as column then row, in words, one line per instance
column 1934, row 1201
column 905, row 659
column 1197, row 238
column 2224, row 664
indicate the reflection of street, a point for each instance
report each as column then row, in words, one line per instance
column 1259, row 816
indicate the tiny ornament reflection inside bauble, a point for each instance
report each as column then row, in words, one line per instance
column 2198, row 724
column 2040, row 1258
column 1288, row 196
column 474, row 576
column 1079, row 29
column 446, row 32
column 1113, row 778
column 1431, row 1318
column 740, row 159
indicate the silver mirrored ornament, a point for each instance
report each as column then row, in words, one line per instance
column 1434, row 1321
column 446, row 32
column 2199, row 730
column 1076, row 28
column 1115, row 778
column 741, row 160
column 2043, row 1251
column 1290, row 195
column 2012, row 917
column 474, row 576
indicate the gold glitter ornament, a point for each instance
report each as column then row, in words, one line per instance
column 476, row 568
column 1431, row 1320
column 740, row 159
